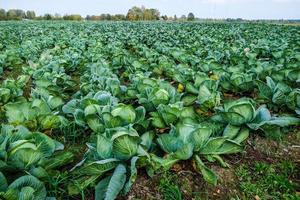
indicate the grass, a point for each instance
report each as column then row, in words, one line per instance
column 73, row 134
column 169, row 188
column 268, row 181
column 55, row 184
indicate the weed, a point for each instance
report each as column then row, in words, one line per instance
column 268, row 181
column 55, row 184
column 72, row 134
column 169, row 188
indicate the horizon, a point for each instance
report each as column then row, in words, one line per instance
column 203, row 9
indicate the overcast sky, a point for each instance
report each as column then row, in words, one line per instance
column 247, row 9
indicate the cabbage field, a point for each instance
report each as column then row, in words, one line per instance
column 86, row 108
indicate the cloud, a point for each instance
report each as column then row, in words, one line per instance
column 246, row 1
column 219, row 1
column 286, row 1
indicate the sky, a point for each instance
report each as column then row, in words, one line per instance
column 246, row 9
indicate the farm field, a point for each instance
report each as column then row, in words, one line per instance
column 149, row 110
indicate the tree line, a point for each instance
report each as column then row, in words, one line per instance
column 134, row 14
column 16, row 14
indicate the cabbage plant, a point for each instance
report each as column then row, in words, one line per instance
column 243, row 113
column 293, row 100
column 189, row 140
column 118, row 150
column 26, row 187
column 273, row 92
column 102, row 111
column 30, row 156
column 35, row 114
column 204, row 91
column 12, row 89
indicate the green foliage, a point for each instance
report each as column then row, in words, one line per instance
column 191, row 17
column 268, row 181
column 72, row 17
column 136, row 13
column 140, row 95
column 24, row 152
column 26, row 187
column 110, row 187
column 169, row 188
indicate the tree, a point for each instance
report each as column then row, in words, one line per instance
column 135, row 13
column 175, row 18
column 95, row 17
column 15, row 14
column 147, row 15
column 20, row 13
column 119, row 17
column 75, row 17
column 164, row 17
column 30, row 14
column 151, row 14
column 11, row 14
column 191, row 17
column 183, row 17
column 2, row 14
column 102, row 17
column 108, row 17
column 105, row 17
column 57, row 16
column 48, row 16
column 88, row 17
column 154, row 13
